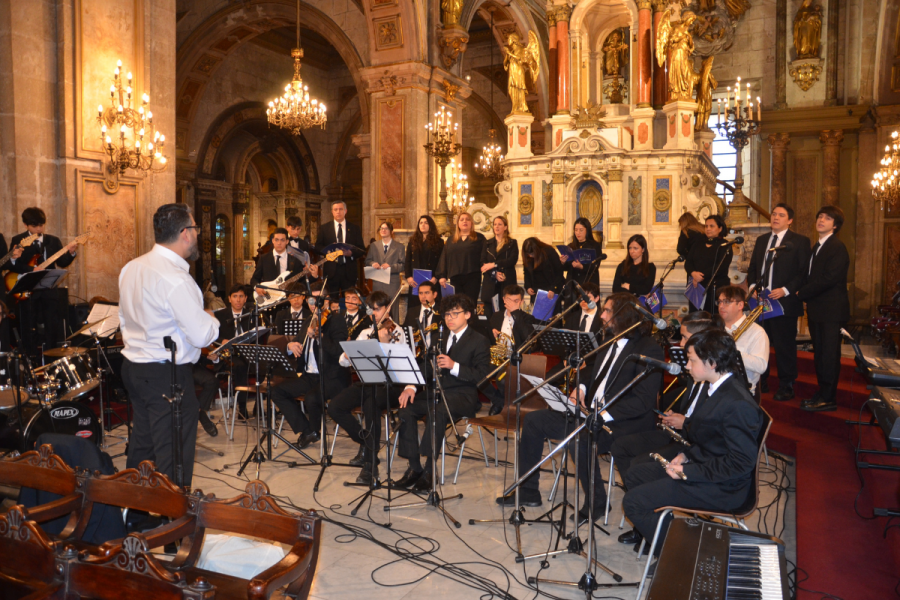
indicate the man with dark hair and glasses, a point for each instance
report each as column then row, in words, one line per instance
column 753, row 343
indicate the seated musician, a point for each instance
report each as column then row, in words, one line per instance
column 632, row 413
column 680, row 403
column 753, row 343
column 516, row 325
column 723, row 432
column 372, row 400
column 235, row 319
column 305, row 347
column 275, row 263
column 423, row 317
column 296, row 309
column 465, row 360
column 356, row 319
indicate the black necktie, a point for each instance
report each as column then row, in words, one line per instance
column 814, row 250
column 349, row 320
column 237, row 325
column 385, row 249
column 295, row 315
column 605, row 370
column 451, row 343
column 583, row 326
column 426, row 315
column 770, row 256
column 340, row 240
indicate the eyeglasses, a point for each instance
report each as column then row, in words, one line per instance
column 454, row 313
column 720, row 302
column 197, row 227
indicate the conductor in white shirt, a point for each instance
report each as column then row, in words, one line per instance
column 158, row 298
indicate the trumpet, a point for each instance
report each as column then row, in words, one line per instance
column 752, row 316
column 674, row 434
column 665, row 464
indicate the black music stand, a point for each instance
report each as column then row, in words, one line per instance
column 292, row 328
column 378, row 363
column 38, row 280
column 272, row 356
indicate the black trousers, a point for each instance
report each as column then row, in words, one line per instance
column 628, row 448
column 208, row 383
column 548, row 424
column 826, row 339
column 151, row 432
column 285, row 395
column 468, row 284
column 782, row 332
column 461, row 405
column 372, row 401
column 650, row 488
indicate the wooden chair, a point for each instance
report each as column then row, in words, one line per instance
column 735, row 517
column 27, row 556
column 255, row 513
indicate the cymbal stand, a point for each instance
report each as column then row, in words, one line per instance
column 103, row 367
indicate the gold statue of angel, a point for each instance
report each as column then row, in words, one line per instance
column 706, row 85
column 675, row 44
column 518, row 61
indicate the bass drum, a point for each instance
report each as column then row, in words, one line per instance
column 66, row 417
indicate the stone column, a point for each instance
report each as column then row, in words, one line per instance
column 552, row 60
column 563, row 13
column 562, row 207
column 645, row 54
column 239, row 206
column 831, row 60
column 780, row 54
column 869, row 280
column 831, row 186
column 363, row 141
column 778, row 143
column 660, row 87
column 615, row 212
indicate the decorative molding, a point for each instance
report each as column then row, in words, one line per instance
column 450, row 90
column 388, row 32
column 453, row 41
column 806, row 72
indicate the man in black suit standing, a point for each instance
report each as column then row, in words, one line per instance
column 723, row 433
column 275, row 263
column 827, row 305
column 632, row 413
column 464, row 361
column 342, row 272
column 787, row 274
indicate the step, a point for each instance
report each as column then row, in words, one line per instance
column 806, row 364
column 830, row 423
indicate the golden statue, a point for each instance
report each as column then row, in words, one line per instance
column 675, row 44
column 808, row 30
column 736, row 8
column 615, row 54
column 450, row 12
column 520, row 60
column 706, row 85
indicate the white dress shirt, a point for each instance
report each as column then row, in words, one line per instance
column 591, row 315
column 508, row 323
column 612, row 355
column 714, row 386
column 754, row 348
column 778, row 240
column 822, row 241
column 159, row 298
column 311, row 365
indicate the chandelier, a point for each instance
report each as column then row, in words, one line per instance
column 459, row 198
column 488, row 164
column 295, row 110
column 130, row 126
column 886, row 182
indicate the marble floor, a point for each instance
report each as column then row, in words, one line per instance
column 431, row 558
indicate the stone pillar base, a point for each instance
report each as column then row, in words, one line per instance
column 679, row 125
column 643, row 128
column 519, row 136
column 558, row 125
column 704, row 140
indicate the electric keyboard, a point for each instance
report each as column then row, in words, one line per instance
column 707, row 561
column 882, row 371
column 885, row 405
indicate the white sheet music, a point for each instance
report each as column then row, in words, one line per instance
column 108, row 315
column 379, row 275
column 554, row 398
column 400, row 360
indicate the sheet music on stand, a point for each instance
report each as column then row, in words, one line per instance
column 293, row 328
column 678, row 355
column 108, row 315
column 266, row 354
column 554, row 398
column 368, row 356
column 561, row 342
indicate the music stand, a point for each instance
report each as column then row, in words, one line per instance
column 38, row 280
column 272, row 356
column 292, row 328
column 378, row 363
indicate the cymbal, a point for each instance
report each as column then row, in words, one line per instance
column 65, row 352
column 85, row 328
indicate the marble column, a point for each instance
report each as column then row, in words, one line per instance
column 659, row 73
column 614, row 212
column 645, row 54
column 831, row 53
column 563, row 13
column 831, row 186
column 780, row 54
column 778, row 143
column 868, row 277
column 552, row 59
column 239, row 206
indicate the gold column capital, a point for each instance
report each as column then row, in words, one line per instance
column 831, row 137
column 779, row 141
column 644, row 4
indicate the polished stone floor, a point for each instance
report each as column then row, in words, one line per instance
column 432, row 558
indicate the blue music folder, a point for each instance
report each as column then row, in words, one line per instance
column 771, row 307
column 543, row 306
column 695, row 294
column 447, row 290
column 583, row 255
column 654, row 301
column 420, row 275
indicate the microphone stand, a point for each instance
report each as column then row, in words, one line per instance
column 659, row 286
column 712, row 283
column 177, row 420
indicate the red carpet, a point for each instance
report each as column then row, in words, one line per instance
column 843, row 554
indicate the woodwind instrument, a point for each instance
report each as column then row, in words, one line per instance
column 665, row 464
column 674, row 434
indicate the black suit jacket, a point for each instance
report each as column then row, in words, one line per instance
column 340, row 276
column 267, row 270
column 723, row 432
column 788, row 269
column 825, row 290
column 284, row 315
column 506, row 261
column 361, row 322
column 333, row 333
column 51, row 246
column 226, row 322
column 633, row 412
column 523, row 324
column 412, row 319
column 473, row 353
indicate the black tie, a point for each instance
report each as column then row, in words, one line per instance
column 385, row 249
column 451, row 343
column 340, row 240
column 349, row 320
column 426, row 315
column 605, row 370
column 583, row 326
column 814, row 250
column 237, row 325
column 295, row 316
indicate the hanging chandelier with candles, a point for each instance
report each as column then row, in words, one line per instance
column 488, row 164
column 886, row 182
column 295, row 110
column 459, row 198
column 128, row 134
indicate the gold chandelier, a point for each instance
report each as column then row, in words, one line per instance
column 128, row 150
column 295, row 110
column 886, row 182
column 488, row 164
column 459, row 199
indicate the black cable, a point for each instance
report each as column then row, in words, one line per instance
column 856, row 451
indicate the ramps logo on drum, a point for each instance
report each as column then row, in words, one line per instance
column 64, row 412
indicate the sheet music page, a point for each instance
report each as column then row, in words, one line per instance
column 109, row 314
column 379, row 275
column 554, row 398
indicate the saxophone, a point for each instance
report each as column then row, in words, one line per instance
column 752, row 316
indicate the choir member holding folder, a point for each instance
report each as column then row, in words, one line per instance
column 422, row 254
column 498, row 267
column 460, row 263
column 636, row 273
column 578, row 264
column 542, row 271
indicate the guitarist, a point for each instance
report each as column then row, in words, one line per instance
column 275, row 263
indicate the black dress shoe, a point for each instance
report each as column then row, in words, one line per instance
column 631, row 537
column 306, row 439
column 424, row 482
column 496, row 409
column 583, row 513
column 814, row 400
column 820, row 406
column 366, row 475
column 409, row 478
column 359, row 459
column 784, row 394
column 764, row 386
column 208, row 426
column 525, row 499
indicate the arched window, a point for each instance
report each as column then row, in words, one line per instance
column 221, row 225
column 724, row 157
column 245, row 235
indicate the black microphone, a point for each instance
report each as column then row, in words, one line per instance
column 785, row 246
column 844, row 333
column 660, row 323
column 168, row 343
column 670, row 368
column 584, row 297
column 601, row 257
column 364, row 306
column 738, row 240
column 678, row 259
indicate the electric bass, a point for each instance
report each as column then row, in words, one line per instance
column 24, row 243
column 12, row 278
column 270, row 296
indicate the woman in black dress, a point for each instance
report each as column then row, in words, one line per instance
column 542, row 269
column 583, row 238
column 636, row 274
column 460, row 262
column 692, row 232
column 498, row 267
column 422, row 252
column 705, row 258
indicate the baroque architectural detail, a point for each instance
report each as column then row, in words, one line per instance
column 453, row 42
column 388, row 33
column 805, row 73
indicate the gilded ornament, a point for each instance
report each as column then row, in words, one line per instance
column 674, row 40
column 808, row 30
column 590, row 205
column 662, row 200
column 706, row 85
column 450, row 12
column 526, row 204
column 805, row 73
column 615, row 54
column 521, row 60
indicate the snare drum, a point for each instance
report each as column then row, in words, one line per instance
column 71, row 376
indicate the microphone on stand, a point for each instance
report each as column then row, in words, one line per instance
column 584, row 297
column 364, row 306
column 738, row 240
column 660, row 323
column 670, row 368
column 785, row 246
